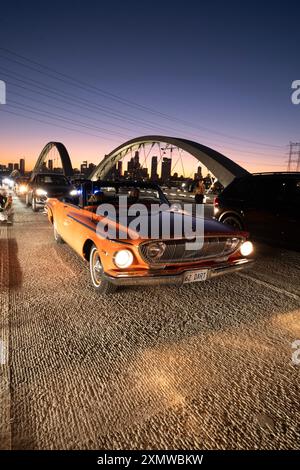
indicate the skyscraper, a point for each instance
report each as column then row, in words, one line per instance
column 22, row 166
column 154, row 175
column 91, row 167
column 120, row 168
column 130, row 167
column 134, row 167
column 16, row 166
column 136, row 159
column 198, row 175
column 166, row 169
column 83, row 167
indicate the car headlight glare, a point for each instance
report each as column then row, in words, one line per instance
column 123, row 259
column 74, row 192
column 23, row 188
column 155, row 250
column 41, row 192
column 246, row 248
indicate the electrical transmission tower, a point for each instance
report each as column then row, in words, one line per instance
column 294, row 157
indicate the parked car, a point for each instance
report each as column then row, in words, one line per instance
column 45, row 185
column 265, row 204
column 141, row 260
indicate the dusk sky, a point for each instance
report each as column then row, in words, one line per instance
column 220, row 72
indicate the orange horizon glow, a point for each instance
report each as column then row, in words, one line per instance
column 95, row 153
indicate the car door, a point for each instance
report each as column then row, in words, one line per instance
column 289, row 217
column 75, row 225
column 262, row 209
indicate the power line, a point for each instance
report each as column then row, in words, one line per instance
column 104, row 109
column 61, row 118
column 60, row 126
column 122, row 100
column 56, row 125
column 84, row 106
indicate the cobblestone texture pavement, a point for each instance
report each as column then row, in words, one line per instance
column 205, row 366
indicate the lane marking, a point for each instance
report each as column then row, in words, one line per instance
column 3, row 353
column 270, row 286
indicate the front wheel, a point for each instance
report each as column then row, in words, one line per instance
column 27, row 202
column 233, row 221
column 96, row 270
column 34, row 204
column 57, row 237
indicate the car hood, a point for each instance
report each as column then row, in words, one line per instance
column 169, row 224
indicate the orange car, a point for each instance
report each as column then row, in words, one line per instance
column 101, row 227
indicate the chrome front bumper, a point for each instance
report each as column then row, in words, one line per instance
column 156, row 278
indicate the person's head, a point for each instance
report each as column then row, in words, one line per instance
column 134, row 193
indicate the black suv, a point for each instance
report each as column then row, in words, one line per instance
column 265, row 204
column 44, row 185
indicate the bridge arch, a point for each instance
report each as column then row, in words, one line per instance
column 222, row 167
column 64, row 156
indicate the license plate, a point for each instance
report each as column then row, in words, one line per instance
column 196, row 276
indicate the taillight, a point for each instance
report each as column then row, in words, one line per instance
column 216, row 201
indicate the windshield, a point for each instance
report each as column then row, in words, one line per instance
column 135, row 194
column 57, row 180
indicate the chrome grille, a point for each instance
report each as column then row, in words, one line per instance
column 176, row 252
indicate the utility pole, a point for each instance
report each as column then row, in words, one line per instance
column 294, row 156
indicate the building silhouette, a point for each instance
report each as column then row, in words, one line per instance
column 134, row 168
column 91, row 167
column 22, row 166
column 120, row 164
column 198, row 175
column 154, row 175
column 166, row 169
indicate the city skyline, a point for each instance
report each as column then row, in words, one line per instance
column 160, row 169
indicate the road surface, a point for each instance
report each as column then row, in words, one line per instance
column 205, row 366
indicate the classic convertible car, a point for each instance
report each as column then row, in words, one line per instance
column 129, row 256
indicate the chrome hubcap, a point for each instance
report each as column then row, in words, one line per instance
column 96, row 268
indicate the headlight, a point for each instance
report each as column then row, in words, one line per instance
column 41, row 192
column 155, row 250
column 246, row 248
column 9, row 182
column 23, row 188
column 123, row 258
column 73, row 192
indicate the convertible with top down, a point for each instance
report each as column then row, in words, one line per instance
column 112, row 225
